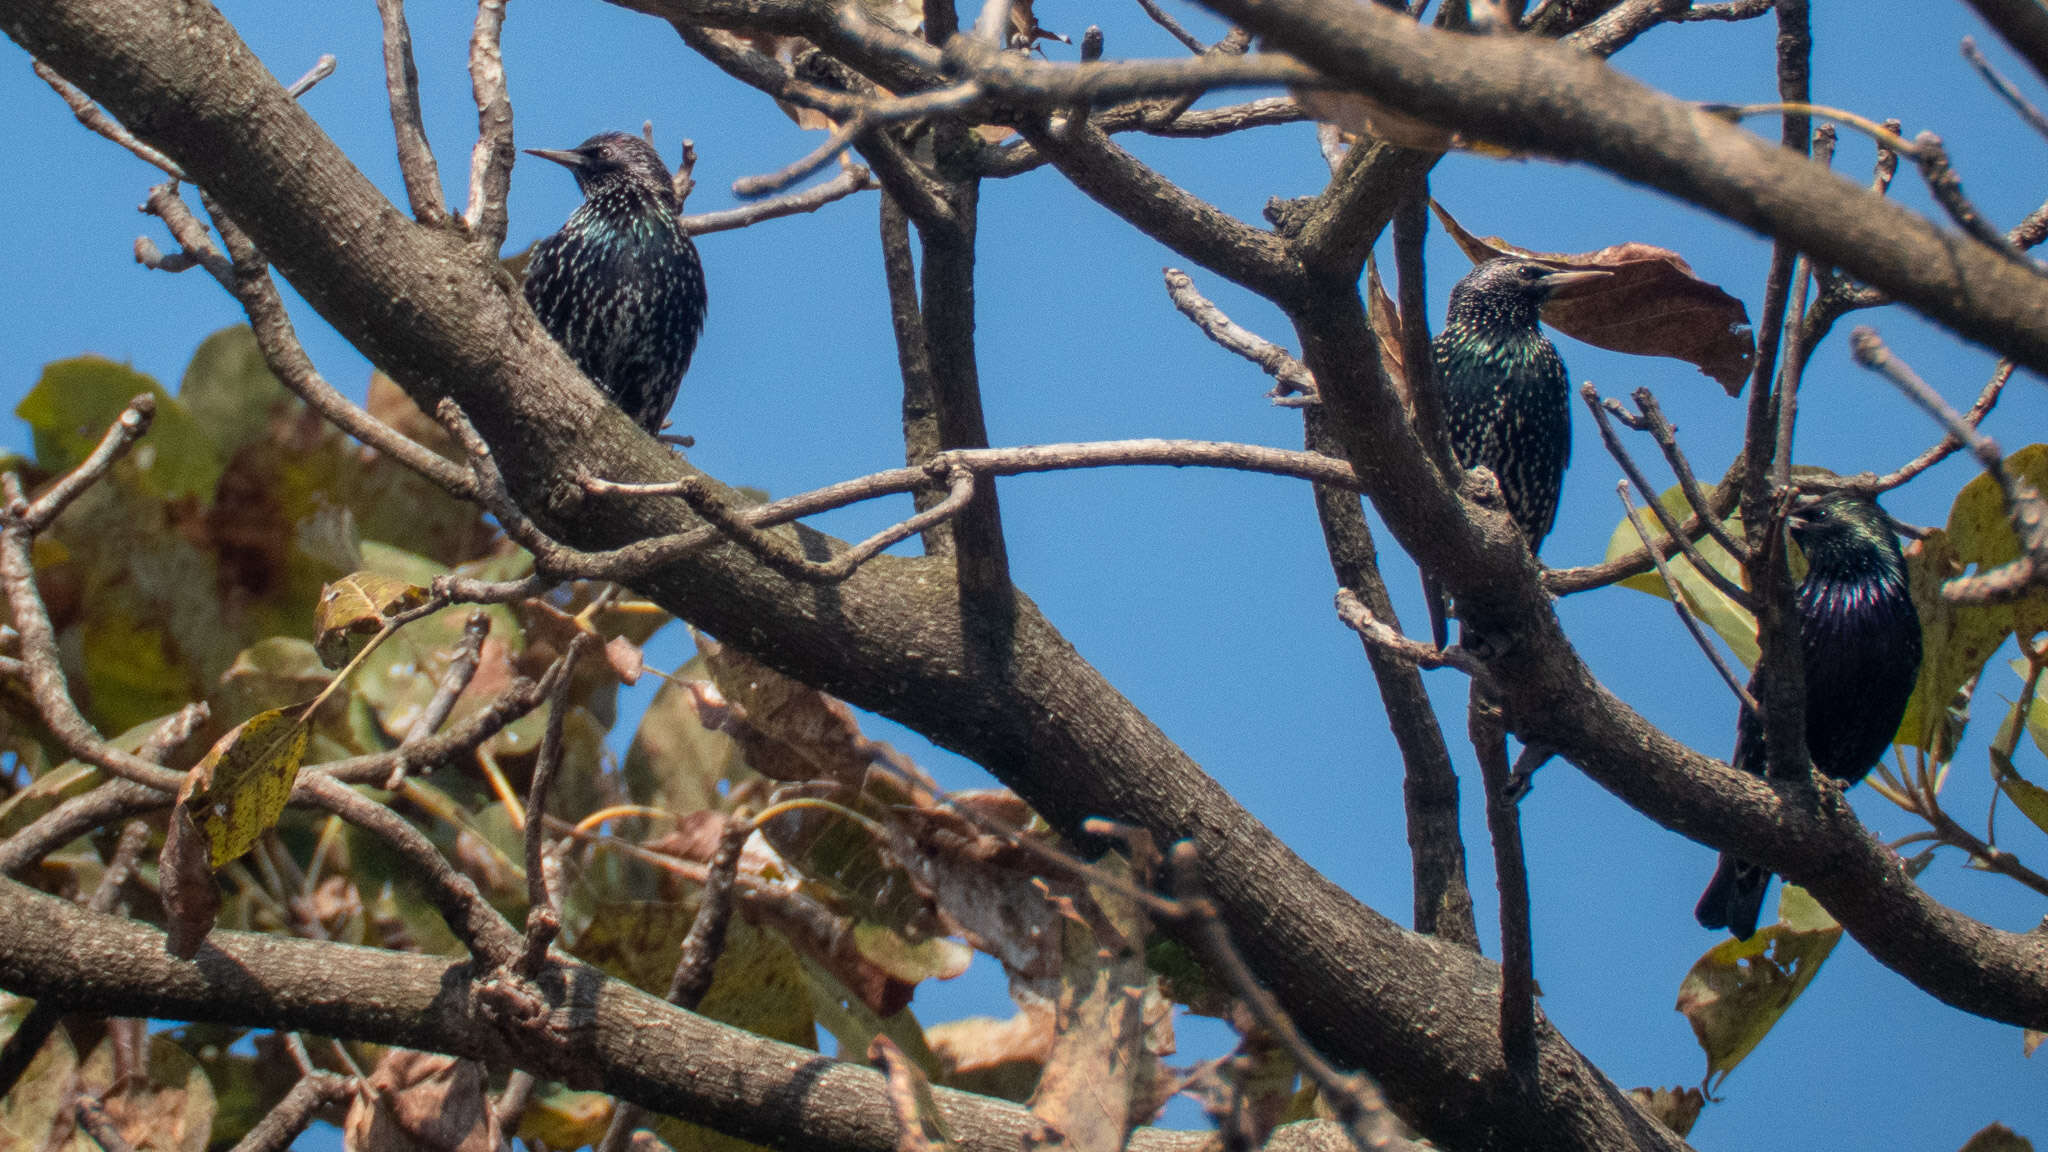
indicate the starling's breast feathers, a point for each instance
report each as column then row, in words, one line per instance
column 1507, row 401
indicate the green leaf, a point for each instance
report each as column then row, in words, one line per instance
column 1737, row 992
column 1729, row 620
column 675, row 763
column 229, row 390
column 74, row 402
column 1956, row 640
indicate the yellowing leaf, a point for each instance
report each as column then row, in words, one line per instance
column 1737, row 992
column 563, row 1119
column 357, row 606
column 240, row 788
column 2030, row 798
column 1729, row 620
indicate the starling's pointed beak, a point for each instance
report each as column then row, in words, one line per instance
column 1556, row 282
column 567, row 158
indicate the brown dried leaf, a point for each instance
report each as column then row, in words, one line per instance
column 1386, row 324
column 1093, row 1075
column 625, row 658
column 792, row 731
column 2030, row 1040
column 356, row 606
column 921, row 1126
column 1676, row 1108
column 999, row 1058
column 389, row 403
column 191, row 900
column 981, row 886
column 1651, row 304
column 422, row 1102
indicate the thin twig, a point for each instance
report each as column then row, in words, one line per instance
column 1692, row 625
column 39, row 655
column 1871, row 484
column 1174, row 28
column 1357, row 617
column 490, row 940
column 90, row 115
column 490, row 163
column 402, row 81
column 1947, row 187
column 543, row 919
column 866, row 116
column 2005, row 88
column 197, row 248
column 698, row 957
column 1672, row 528
column 283, row 1124
column 1292, row 378
column 1651, row 415
column 1488, row 732
column 321, row 70
column 2024, row 504
column 851, row 179
column 1354, row 1097
column 286, row 358
column 462, row 666
column 131, row 425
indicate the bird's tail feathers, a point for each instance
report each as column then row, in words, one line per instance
column 1734, row 897
column 1439, row 611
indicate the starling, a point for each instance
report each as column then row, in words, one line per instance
column 1860, row 646
column 620, row 286
column 1507, row 401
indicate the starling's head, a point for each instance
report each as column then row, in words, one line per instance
column 613, row 160
column 1509, row 286
column 1842, row 534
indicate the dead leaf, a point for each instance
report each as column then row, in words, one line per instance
column 1098, row 1063
column 1386, row 324
column 624, row 657
column 356, row 606
column 1676, row 1108
column 1650, row 304
column 999, row 1058
column 422, row 1102
column 792, row 731
column 191, row 899
column 921, row 1127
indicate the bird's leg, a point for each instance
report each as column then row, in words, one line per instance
column 1523, row 778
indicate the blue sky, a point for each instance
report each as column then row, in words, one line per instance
column 1205, row 597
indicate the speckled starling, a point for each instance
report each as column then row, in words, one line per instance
column 620, row 286
column 1507, row 401
column 1860, row 643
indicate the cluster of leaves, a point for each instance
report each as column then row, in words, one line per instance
column 246, row 549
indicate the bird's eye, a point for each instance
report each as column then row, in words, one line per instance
column 1531, row 272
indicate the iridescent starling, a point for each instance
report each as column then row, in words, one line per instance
column 1507, row 401
column 1860, row 639
column 620, row 286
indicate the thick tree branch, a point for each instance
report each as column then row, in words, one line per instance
column 601, row 1033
